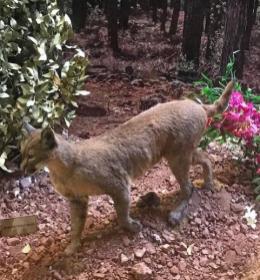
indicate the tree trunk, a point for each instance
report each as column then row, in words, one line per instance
column 154, row 10
column 216, row 19
column 112, row 18
column 207, row 16
column 250, row 23
column 255, row 11
column 164, row 5
column 124, row 14
column 79, row 13
column 234, row 40
column 175, row 17
column 193, row 27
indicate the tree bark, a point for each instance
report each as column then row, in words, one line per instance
column 193, row 27
column 124, row 14
column 164, row 5
column 255, row 11
column 216, row 20
column 250, row 22
column 154, row 5
column 175, row 17
column 112, row 18
column 79, row 13
column 234, row 40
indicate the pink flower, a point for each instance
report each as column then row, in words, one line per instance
column 241, row 119
column 236, row 99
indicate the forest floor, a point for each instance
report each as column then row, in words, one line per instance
column 213, row 242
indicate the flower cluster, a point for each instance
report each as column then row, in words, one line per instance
column 241, row 119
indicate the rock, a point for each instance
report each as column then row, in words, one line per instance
column 197, row 221
column 57, row 276
column 12, row 241
column 99, row 275
column 230, row 257
column 174, row 270
column 205, row 232
column 204, row 251
column 182, row 265
column 126, row 241
column 26, row 182
column 169, row 237
column 165, row 247
column 141, row 271
column 203, row 261
column 237, row 208
column 123, row 258
column 213, row 265
column 139, row 253
column 26, row 265
column 157, row 238
column 150, row 248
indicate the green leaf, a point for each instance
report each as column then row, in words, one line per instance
column 4, row 95
column 82, row 92
column 3, row 158
column 42, row 52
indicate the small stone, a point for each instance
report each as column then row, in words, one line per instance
column 205, row 232
column 182, row 265
column 139, row 253
column 174, row 270
column 169, row 237
column 126, row 241
column 150, row 248
column 157, row 238
column 237, row 208
column 12, row 241
column 165, row 247
column 123, row 258
column 141, row 271
column 203, row 261
column 205, row 252
column 213, row 265
column 57, row 275
column 99, row 275
column 26, row 265
column 197, row 221
column 26, row 182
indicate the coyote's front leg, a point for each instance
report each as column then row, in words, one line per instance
column 78, row 212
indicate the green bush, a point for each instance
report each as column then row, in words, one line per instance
column 36, row 83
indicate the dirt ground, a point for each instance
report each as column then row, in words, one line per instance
column 213, row 242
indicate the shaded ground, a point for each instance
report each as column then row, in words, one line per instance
column 212, row 243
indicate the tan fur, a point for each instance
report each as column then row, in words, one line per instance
column 107, row 164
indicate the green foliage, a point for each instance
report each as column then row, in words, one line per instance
column 36, row 84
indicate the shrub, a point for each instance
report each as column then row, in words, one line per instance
column 240, row 122
column 36, row 84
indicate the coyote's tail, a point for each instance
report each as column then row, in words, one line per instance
column 219, row 105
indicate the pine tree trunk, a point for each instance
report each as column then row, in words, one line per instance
column 164, row 5
column 112, row 17
column 154, row 5
column 193, row 27
column 124, row 14
column 175, row 17
column 79, row 13
column 250, row 23
column 255, row 11
column 234, row 40
column 216, row 19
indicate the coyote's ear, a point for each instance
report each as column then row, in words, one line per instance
column 48, row 139
column 28, row 128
